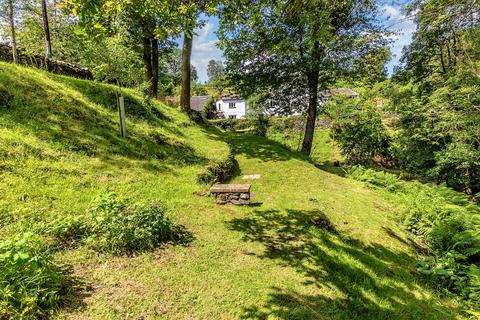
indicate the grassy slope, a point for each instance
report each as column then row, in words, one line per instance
column 324, row 149
column 313, row 245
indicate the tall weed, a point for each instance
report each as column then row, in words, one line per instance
column 30, row 282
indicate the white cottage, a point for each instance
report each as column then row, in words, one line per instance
column 232, row 107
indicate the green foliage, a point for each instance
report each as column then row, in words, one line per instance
column 259, row 122
column 228, row 124
column 437, row 134
column 112, row 60
column 438, row 129
column 215, row 70
column 31, row 285
column 446, row 220
column 198, row 89
column 219, row 171
column 370, row 69
column 119, row 228
column 359, row 129
column 209, row 111
column 113, row 226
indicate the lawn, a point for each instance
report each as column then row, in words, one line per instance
column 313, row 245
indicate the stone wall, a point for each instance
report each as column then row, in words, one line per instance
column 236, row 198
column 54, row 66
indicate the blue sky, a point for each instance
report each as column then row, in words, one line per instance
column 205, row 41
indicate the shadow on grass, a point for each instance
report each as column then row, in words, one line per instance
column 354, row 280
column 266, row 150
column 78, row 290
column 70, row 122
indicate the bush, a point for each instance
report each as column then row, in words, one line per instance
column 113, row 226
column 362, row 135
column 30, row 283
column 209, row 110
column 446, row 220
column 219, row 171
column 118, row 228
column 259, row 123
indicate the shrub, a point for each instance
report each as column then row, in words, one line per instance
column 219, row 171
column 362, row 135
column 209, row 110
column 260, row 124
column 228, row 124
column 30, row 283
column 118, row 228
column 114, row 226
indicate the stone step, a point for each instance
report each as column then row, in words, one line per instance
column 230, row 188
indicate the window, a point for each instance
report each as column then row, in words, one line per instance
column 219, row 107
column 232, row 116
column 231, row 105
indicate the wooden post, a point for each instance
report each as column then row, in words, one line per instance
column 121, row 113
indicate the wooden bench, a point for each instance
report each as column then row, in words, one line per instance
column 238, row 194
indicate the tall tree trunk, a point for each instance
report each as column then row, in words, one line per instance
column 311, row 113
column 12, row 30
column 313, row 77
column 186, row 71
column 147, row 61
column 442, row 60
column 46, row 27
column 155, row 67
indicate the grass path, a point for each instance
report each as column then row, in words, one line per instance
column 313, row 246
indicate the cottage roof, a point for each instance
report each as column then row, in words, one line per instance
column 331, row 92
column 198, row 102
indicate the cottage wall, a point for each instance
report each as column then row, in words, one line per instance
column 232, row 108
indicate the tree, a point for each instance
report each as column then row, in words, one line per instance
column 371, row 68
column 8, row 11
column 438, row 44
column 295, row 46
column 46, row 27
column 215, row 70
column 190, row 10
column 151, row 23
column 437, row 95
column 193, row 73
column 174, row 67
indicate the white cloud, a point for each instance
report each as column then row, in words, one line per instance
column 205, row 30
column 402, row 27
column 205, row 49
column 392, row 12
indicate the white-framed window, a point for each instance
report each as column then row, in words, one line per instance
column 219, row 107
column 231, row 105
column 232, row 116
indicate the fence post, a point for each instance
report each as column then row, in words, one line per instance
column 123, row 128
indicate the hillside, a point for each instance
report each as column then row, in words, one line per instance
column 60, row 145
column 313, row 245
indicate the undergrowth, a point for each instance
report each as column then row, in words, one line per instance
column 113, row 226
column 447, row 221
column 31, row 284
column 219, row 170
